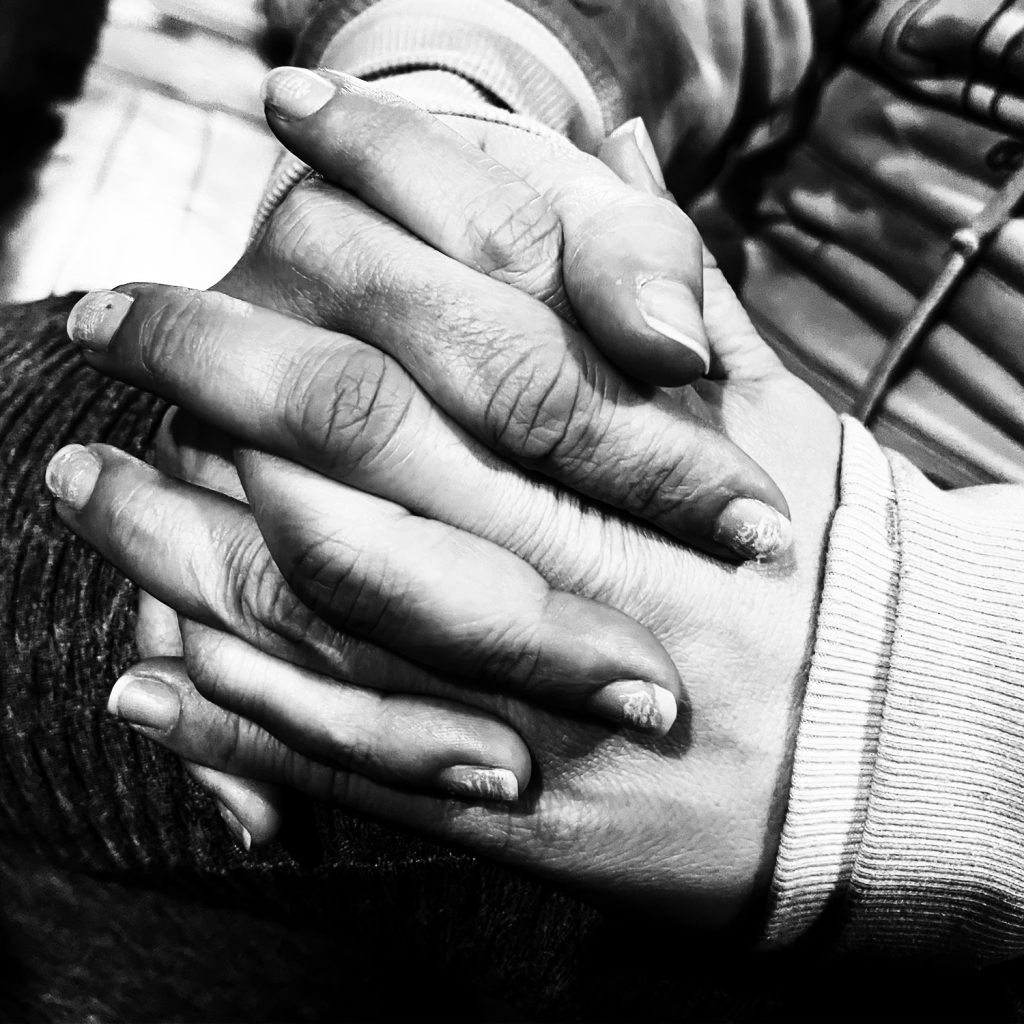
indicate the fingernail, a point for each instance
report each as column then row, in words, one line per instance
column 71, row 475
column 144, row 701
column 636, row 704
column 295, row 93
column 95, row 318
column 753, row 529
column 671, row 309
column 642, row 138
column 624, row 153
column 473, row 783
column 239, row 832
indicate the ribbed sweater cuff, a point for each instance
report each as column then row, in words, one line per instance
column 835, row 749
column 907, row 804
column 506, row 52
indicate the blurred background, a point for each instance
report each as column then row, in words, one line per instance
column 137, row 147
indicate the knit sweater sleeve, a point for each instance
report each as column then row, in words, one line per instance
column 697, row 71
column 905, row 829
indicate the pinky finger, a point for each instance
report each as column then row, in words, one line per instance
column 272, row 717
column 252, row 810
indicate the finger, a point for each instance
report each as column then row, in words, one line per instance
column 227, row 743
column 197, row 453
column 202, row 554
column 597, row 659
column 156, row 629
column 252, row 811
column 409, row 741
column 454, row 601
column 513, row 375
column 738, row 352
column 632, row 266
column 159, row 701
column 411, row 167
column 398, row 738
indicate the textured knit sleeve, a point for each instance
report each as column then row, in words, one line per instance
column 905, row 829
column 698, row 71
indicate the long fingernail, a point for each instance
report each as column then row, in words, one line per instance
column 72, row 474
column 144, row 701
column 753, row 529
column 95, row 318
column 473, row 783
column 295, row 93
column 239, row 832
column 646, row 707
column 671, row 309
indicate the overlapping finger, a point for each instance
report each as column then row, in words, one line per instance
column 510, row 372
column 420, row 593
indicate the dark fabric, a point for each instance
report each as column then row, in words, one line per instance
column 845, row 230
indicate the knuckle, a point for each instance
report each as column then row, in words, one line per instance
column 517, row 238
column 539, row 407
column 253, row 596
column 329, row 572
column 668, row 478
column 346, row 406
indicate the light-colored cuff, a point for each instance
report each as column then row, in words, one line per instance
column 835, row 750
column 441, row 92
column 906, row 810
column 504, row 50
column 940, row 869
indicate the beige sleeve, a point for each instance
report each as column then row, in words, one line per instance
column 905, row 828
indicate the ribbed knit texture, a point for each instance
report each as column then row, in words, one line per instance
column 940, row 868
column 907, row 801
column 505, row 51
column 842, row 704
column 483, row 59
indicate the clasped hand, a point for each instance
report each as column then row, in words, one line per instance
column 376, row 607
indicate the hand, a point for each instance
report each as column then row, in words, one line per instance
column 689, row 822
column 594, row 249
column 517, row 379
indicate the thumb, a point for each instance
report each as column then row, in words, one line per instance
column 737, row 350
column 633, row 271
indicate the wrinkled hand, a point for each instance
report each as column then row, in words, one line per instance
column 689, row 822
column 511, row 208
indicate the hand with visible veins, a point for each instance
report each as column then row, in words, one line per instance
column 521, row 379
column 690, row 820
